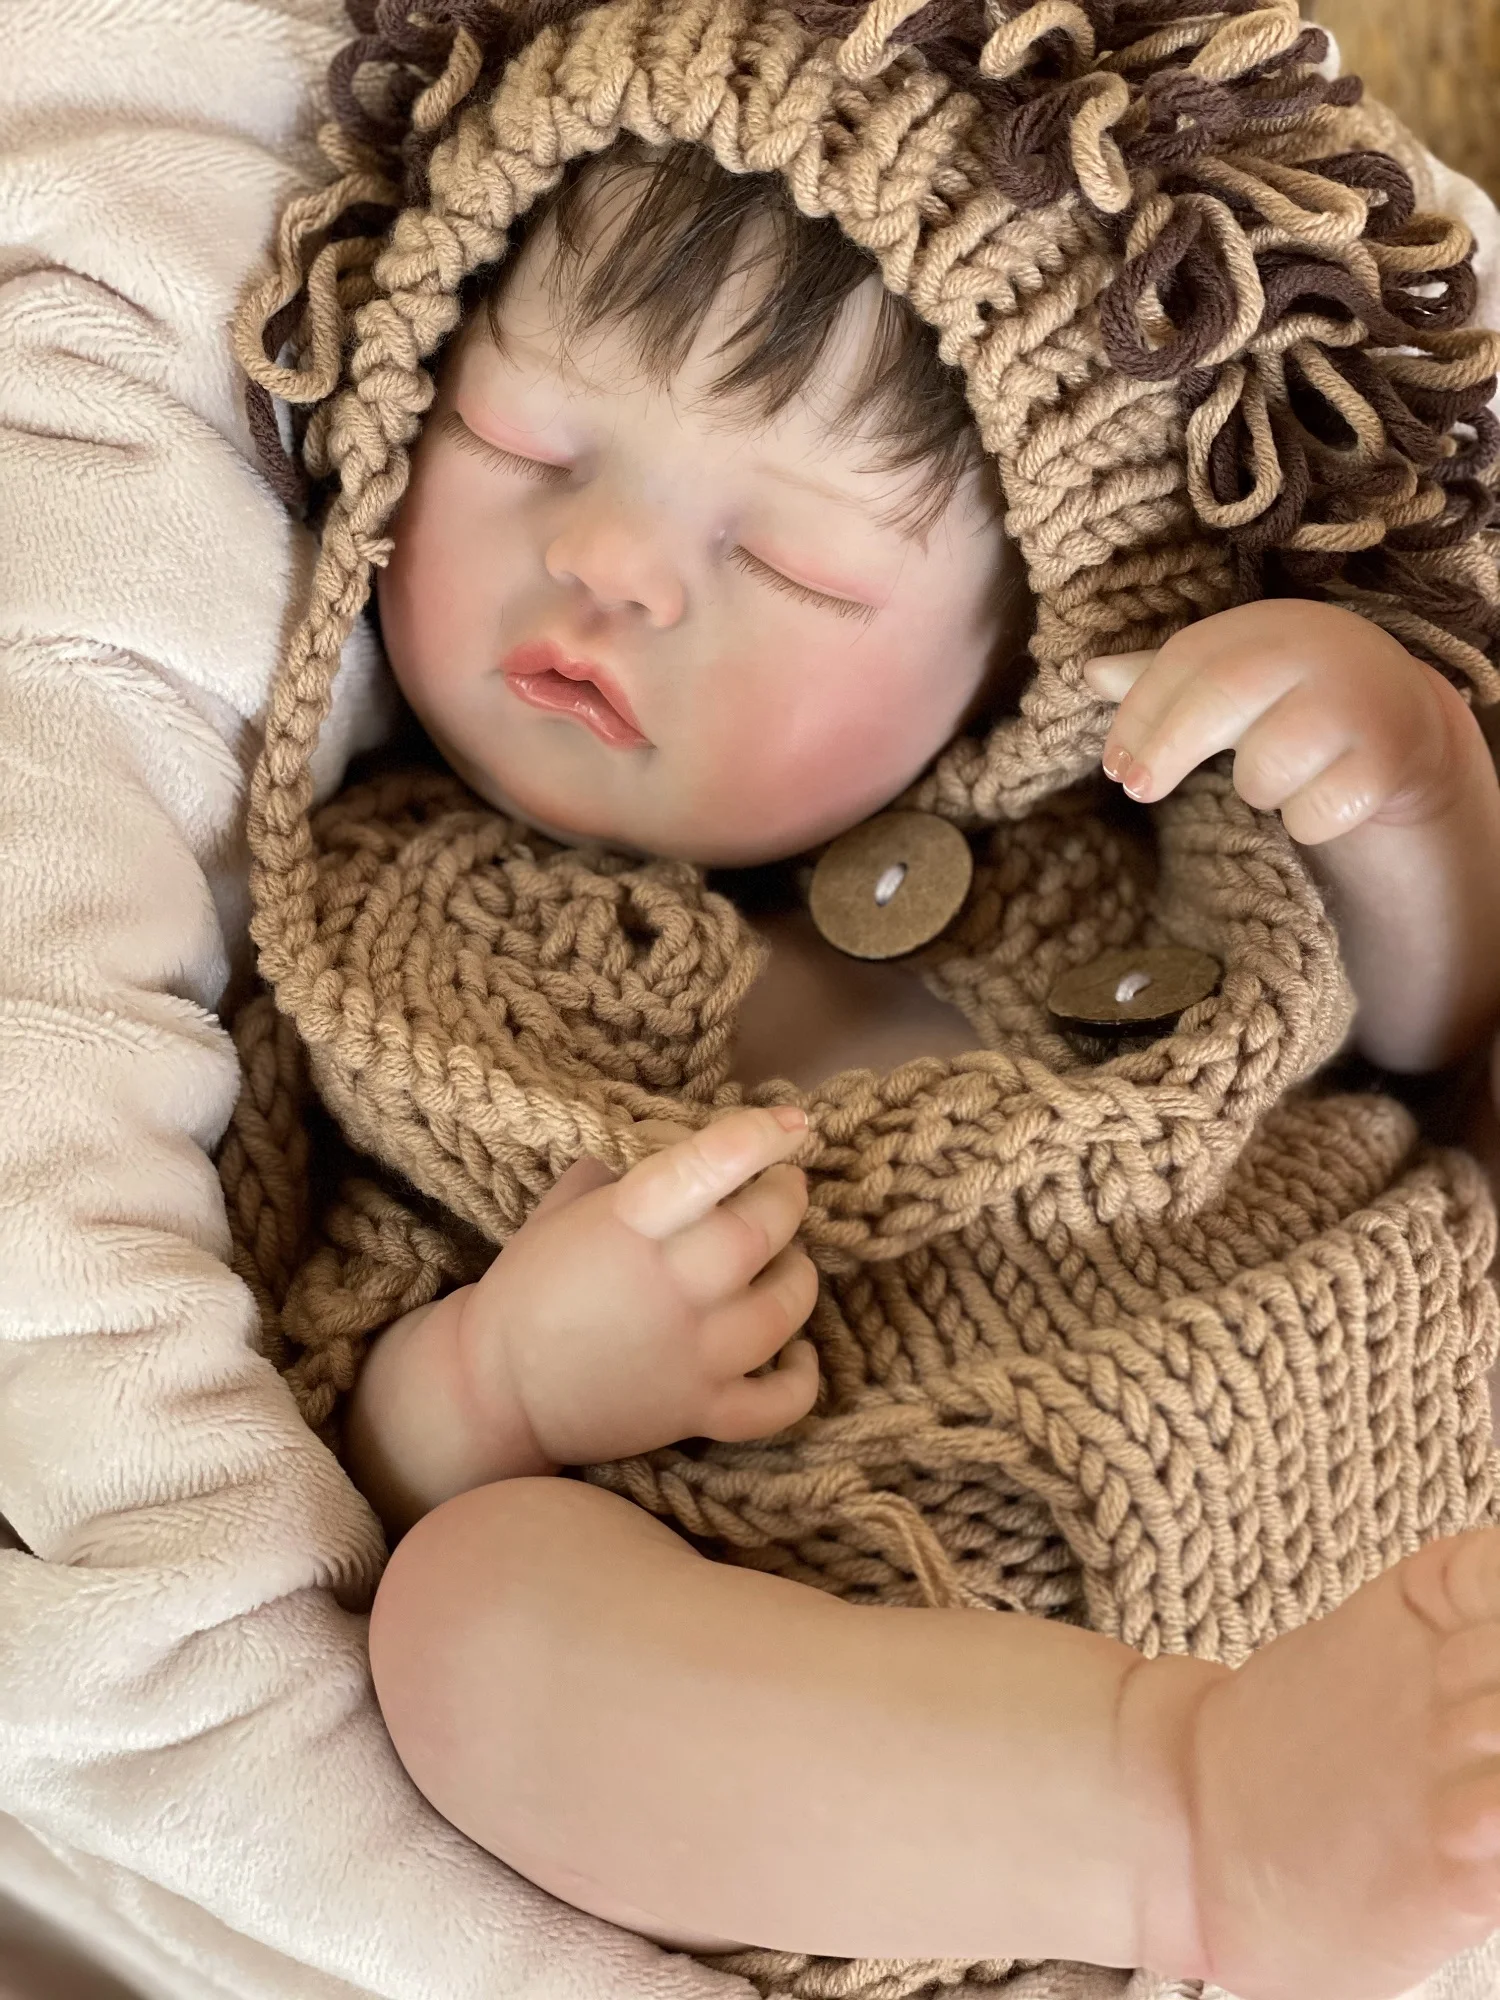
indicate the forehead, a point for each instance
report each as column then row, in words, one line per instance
column 656, row 273
column 539, row 288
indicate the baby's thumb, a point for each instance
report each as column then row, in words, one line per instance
column 1112, row 676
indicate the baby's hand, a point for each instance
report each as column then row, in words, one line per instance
column 1331, row 720
column 628, row 1313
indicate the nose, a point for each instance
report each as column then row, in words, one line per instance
column 617, row 549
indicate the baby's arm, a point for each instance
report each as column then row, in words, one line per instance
column 1376, row 765
column 624, row 1315
column 414, row 1436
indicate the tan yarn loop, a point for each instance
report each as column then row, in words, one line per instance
column 440, row 99
column 1235, row 390
column 1097, row 160
column 1245, row 41
column 327, row 302
column 865, row 52
column 1013, row 44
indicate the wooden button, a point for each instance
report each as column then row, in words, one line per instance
column 890, row 884
column 1132, row 995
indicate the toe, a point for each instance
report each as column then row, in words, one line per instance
column 1467, row 1663
column 1467, row 1733
column 1466, row 1818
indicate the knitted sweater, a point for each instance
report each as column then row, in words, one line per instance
column 1180, row 1345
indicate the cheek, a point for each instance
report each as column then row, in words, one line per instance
column 436, row 595
column 893, row 697
column 834, row 729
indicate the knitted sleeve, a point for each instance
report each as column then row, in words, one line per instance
column 194, row 1780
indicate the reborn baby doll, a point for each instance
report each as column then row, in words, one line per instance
column 566, row 612
column 700, row 558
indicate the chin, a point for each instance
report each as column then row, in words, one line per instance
column 754, row 855
column 555, row 824
column 548, row 814
column 514, row 804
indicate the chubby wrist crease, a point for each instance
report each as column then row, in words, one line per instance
column 500, row 1413
column 1444, row 767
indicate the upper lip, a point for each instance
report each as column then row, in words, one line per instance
column 539, row 656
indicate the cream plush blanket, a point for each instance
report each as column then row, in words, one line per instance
column 195, row 1786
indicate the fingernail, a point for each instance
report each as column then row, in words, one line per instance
column 1136, row 780
column 790, row 1117
column 1116, row 762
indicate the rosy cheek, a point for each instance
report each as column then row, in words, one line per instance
column 427, row 594
column 850, row 724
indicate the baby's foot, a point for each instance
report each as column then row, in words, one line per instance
column 1348, row 1788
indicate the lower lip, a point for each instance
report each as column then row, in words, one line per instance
column 579, row 699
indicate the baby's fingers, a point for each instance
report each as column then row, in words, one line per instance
column 762, row 1405
column 717, row 1257
column 1179, row 714
column 745, row 1332
column 680, row 1185
column 1145, row 685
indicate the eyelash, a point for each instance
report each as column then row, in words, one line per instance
column 494, row 454
column 536, row 468
column 842, row 607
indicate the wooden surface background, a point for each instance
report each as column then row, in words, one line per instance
column 1436, row 63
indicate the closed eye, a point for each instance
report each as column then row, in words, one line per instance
column 842, row 607
column 453, row 426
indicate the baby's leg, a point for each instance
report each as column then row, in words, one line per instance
column 704, row 1752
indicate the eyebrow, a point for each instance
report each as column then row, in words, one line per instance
column 837, row 494
column 841, row 497
column 508, row 342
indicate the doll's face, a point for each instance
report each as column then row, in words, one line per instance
column 791, row 658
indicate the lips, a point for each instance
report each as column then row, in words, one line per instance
column 540, row 673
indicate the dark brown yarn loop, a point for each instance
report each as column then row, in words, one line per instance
column 1377, row 174
column 1182, row 261
column 1186, row 115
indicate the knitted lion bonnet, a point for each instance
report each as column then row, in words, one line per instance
column 1174, row 1343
